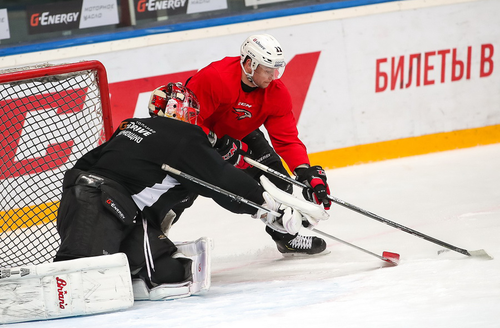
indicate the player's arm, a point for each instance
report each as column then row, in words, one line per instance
column 293, row 151
column 202, row 161
column 205, row 84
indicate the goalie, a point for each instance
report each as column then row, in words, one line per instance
column 117, row 199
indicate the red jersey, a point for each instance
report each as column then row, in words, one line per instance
column 226, row 109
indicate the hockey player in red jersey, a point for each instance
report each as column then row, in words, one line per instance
column 117, row 197
column 240, row 94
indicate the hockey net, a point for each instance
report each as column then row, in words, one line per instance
column 50, row 115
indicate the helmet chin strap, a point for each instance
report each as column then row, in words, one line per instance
column 250, row 78
column 248, row 75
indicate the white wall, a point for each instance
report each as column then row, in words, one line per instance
column 342, row 107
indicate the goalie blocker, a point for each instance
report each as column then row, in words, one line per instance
column 92, row 285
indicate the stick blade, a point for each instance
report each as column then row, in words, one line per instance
column 481, row 254
column 392, row 258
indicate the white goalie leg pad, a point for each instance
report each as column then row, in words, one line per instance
column 312, row 212
column 64, row 289
column 161, row 292
column 199, row 252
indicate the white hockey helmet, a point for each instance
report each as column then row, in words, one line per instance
column 174, row 101
column 265, row 50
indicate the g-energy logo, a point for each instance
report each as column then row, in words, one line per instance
column 46, row 18
column 154, row 5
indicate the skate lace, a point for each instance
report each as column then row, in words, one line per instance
column 148, row 255
column 301, row 242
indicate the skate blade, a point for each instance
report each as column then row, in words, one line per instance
column 305, row 255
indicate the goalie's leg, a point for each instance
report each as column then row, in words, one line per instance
column 195, row 256
column 64, row 289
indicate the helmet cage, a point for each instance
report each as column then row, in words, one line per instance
column 174, row 101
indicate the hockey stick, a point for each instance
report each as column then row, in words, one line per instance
column 481, row 253
column 229, row 194
column 389, row 257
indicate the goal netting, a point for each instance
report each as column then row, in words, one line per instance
column 50, row 115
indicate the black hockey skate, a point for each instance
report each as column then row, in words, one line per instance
column 298, row 245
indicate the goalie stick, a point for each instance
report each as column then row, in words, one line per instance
column 229, row 194
column 389, row 257
column 481, row 253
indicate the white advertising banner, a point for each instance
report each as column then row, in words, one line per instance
column 198, row 6
column 4, row 25
column 261, row 2
column 98, row 13
column 355, row 80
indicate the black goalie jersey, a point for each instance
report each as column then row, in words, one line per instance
column 135, row 153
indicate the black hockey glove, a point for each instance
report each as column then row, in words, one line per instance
column 262, row 151
column 232, row 151
column 315, row 178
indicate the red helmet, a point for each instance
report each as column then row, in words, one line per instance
column 175, row 101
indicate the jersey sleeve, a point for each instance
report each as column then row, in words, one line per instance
column 282, row 128
column 205, row 163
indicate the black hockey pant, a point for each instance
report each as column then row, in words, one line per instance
column 89, row 226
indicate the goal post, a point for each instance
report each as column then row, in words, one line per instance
column 50, row 116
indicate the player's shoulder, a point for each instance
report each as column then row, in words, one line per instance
column 219, row 75
column 226, row 64
column 278, row 86
column 278, row 94
column 226, row 61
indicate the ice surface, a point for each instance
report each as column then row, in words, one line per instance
column 453, row 196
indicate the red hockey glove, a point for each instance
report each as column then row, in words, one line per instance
column 232, row 151
column 315, row 178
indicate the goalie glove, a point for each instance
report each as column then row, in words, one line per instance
column 289, row 222
column 315, row 178
column 310, row 214
column 232, row 151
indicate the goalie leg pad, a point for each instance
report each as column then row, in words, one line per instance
column 199, row 252
column 163, row 292
column 64, row 289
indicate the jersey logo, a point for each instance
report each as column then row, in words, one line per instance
column 242, row 113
